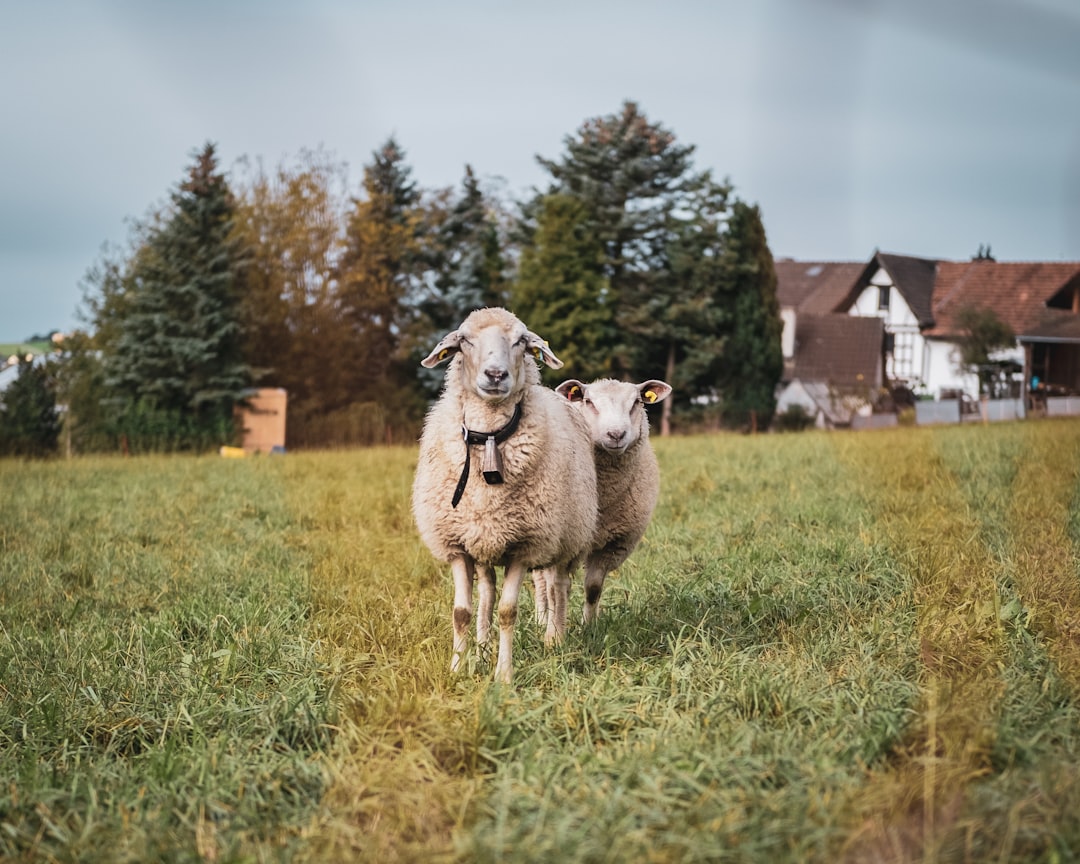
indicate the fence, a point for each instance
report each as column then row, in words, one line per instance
column 954, row 411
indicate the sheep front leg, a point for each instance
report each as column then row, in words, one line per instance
column 558, row 598
column 508, row 610
column 462, row 567
column 485, row 604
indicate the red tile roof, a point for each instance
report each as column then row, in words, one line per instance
column 1017, row 292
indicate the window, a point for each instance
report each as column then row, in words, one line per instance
column 883, row 298
column 903, row 356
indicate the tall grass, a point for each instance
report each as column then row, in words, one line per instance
column 828, row 647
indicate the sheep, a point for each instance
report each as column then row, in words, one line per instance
column 627, row 482
column 524, row 499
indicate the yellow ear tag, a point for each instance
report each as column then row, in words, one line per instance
column 650, row 396
column 443, row 354
column 575, row 391
column 537, row 353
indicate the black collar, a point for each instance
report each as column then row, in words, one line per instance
column 490, row 439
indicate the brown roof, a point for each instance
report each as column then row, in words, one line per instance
column 1018, row 292
column 841, row 350
column 815, row 287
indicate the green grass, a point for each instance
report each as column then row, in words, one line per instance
column 829, row 647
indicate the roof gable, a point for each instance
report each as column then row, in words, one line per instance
column 913, row 277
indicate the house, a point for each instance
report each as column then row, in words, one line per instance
column 918, row 301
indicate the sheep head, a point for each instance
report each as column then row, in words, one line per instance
column 494, row 347
column 614, row 409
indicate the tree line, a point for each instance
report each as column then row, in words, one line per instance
column 631, row 262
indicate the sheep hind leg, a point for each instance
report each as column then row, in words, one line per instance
column 558, row 599
column 541, row 581
column 508, row 610
column 595, row 574
column 485, row 603
column 462, row 568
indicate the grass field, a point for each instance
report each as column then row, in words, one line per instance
column 829, row 647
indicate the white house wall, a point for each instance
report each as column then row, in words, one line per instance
column 944, row 371
column 901, row 322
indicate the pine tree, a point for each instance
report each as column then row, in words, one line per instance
column 677, row 322
column 379, row 270
column 562, row 290
column 654, row 219
column 178, row 346
column 470, row 266
column 29, row 423
column 631, row 174
column 753, row 360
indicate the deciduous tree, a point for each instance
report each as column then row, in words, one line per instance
column 984, row 334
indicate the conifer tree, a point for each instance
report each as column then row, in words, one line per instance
column 631, row 174
column 653, row 218
column 753, row 360
column 379, row 270
column 29, row 423
column 562, row 290
column 177, row 349
column 470, row 267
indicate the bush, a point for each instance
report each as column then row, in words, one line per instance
column 794, row 419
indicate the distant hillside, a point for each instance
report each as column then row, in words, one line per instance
column 10, row 349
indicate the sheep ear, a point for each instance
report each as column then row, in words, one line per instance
column 447, row 348
column 540, row 350
column 654, row 391
column 573, row 390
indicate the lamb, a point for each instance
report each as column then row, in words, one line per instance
column 519, row 491
column 627, row 482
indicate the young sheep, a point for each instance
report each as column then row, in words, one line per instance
column 627, row 483
column 505, row 474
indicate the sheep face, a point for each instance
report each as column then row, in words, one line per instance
column 615, row 410
column 493, row 345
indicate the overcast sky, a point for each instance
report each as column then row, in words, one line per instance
column 922, row 127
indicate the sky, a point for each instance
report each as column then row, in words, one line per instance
column 919, row 127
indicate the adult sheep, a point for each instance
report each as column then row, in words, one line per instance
column 627, row 482
column 505, row 475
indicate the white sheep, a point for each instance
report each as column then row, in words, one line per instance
column 521, row 493
column 627, row 483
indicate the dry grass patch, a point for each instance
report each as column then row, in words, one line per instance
column 1042, row 521
column 913, row 807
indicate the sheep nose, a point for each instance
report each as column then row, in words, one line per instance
column 496, row 375
column 616, row 436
